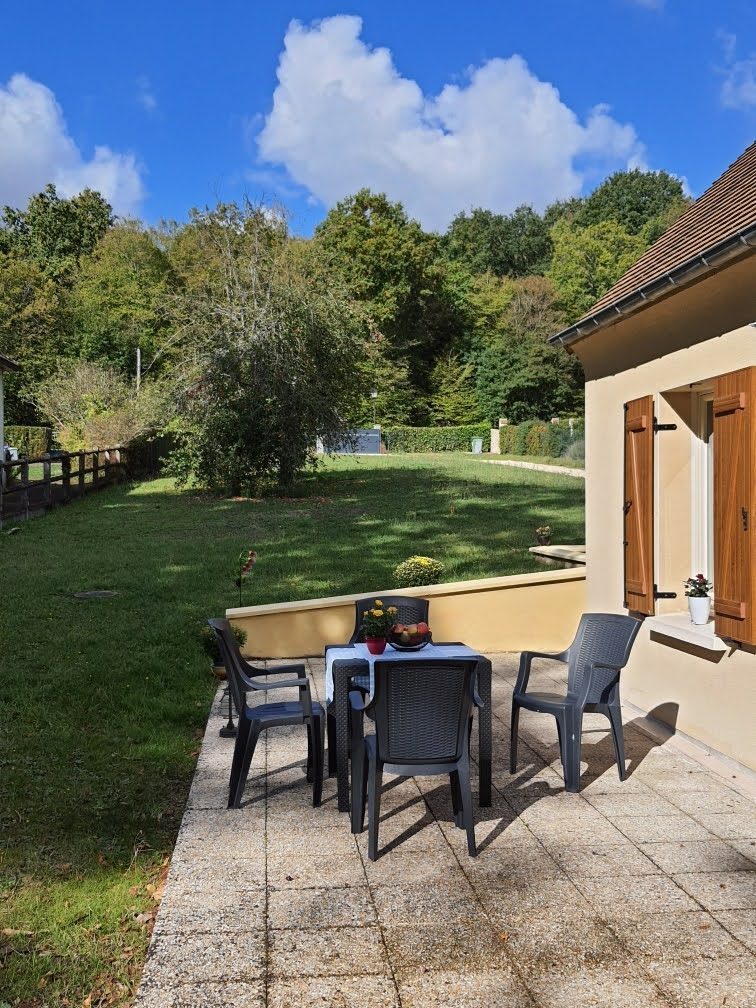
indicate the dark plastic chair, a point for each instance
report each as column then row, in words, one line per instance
column 422, row 712
column 599, row 651
column 410, row 610
column 255, row 719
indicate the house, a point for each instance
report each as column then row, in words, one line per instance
column 669, row 355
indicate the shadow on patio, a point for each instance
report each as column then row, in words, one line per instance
column 629, row 893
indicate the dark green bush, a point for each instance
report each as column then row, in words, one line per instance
column 30, row 441
column 435, row 439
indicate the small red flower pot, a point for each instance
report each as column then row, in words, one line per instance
column 376, row 645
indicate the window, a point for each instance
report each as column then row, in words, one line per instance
column 690, row 500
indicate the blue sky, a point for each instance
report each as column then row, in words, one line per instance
column 444, row 105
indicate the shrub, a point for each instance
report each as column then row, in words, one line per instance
column 576, row 450
column 30, row 441
column 209, row 642
column 435, row 439
column 507, row 436
column 418, row 570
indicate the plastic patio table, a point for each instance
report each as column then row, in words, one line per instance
column 345, row 663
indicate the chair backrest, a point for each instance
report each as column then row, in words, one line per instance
column 236, row 667
column 422, row 709
column 410, row 610
column 600, row 637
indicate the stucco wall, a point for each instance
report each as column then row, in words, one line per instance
column 709, row 695
column 536, row 611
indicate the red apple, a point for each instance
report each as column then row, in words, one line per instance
column 422, row 628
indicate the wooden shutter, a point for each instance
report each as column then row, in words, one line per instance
column 639, row 505
column 735, row 505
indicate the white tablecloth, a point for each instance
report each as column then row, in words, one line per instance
column 357, row 651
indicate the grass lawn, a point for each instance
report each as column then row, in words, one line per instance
column 103, row 700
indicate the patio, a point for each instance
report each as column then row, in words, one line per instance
column 629, row 894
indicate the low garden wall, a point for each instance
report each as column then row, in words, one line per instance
column 522, row 611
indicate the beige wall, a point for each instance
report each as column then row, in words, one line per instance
column 525, row 611
column 714, row 692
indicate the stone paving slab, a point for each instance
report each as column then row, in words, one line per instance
column 632, row 894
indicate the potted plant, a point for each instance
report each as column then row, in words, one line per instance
column 376, row 626
column 210, row 646
column 543, row 535
column 699, row 603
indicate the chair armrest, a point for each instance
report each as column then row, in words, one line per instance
column 300, row 683
column 357, row 700
column 588, row 681
column 295, row 669
column 526, row 657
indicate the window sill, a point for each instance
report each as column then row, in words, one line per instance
column 679, row 627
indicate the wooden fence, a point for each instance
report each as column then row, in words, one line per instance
column 64, row 477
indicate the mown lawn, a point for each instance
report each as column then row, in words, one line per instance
column 103, row 700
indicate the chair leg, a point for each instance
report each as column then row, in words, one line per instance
column 614, row 713
column 315, row 735
column 560, row 736
column 515, row 724
column 375, row 784
column 240, row 745
column 331, row 744
column 310, row 763
column 463, row 772
column 249, row 751
column 358, row 770
column 456, row 798
column 572, row 728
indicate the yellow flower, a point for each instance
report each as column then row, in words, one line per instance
column 392, row 609
column 379, row 604
column 376, row 612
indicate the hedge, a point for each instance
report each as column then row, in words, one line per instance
column 435, row 439
column 536, row 437
column 30, row 441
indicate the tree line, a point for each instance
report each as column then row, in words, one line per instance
column 253, row 339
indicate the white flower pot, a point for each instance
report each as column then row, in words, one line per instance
column 699, row 609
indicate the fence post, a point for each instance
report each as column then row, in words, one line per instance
column 25, row 485
column 65, row 466
column 47, row 487
column 80, row 474
column 95, row 469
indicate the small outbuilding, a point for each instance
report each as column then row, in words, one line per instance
column 669, row 354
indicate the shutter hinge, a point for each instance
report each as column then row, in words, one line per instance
column 663, row 426
column 658, row 594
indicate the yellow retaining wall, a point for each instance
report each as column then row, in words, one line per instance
column 537, row 611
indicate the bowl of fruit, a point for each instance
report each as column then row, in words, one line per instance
column 409, row 637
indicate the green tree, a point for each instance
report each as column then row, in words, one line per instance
column 563, row 210
column 118, row 296
column 396, row 399
column 392, row 267
column 454, row 400
column 632, row 199
column 587, row 261
column 55, row 233
column 34, row 330
column 519, row 375
column 486, row 242
column 267, row 362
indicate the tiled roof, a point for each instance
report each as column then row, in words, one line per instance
column 728, row 206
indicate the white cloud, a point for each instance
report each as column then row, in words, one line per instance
column 343, row 117
column 36, row 148
column 145, row 95
column 739, row 75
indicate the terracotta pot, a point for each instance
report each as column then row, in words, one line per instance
column 544, row 540
column 699, row 608
column 376, row 645
column 219, row 671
